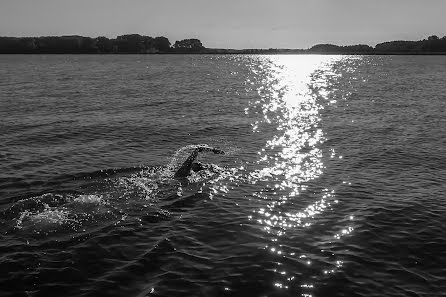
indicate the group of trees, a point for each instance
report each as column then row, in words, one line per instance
column 433, row 44
column 131, row 43
column 188, row 45
column 331, row 48
column 139, row 44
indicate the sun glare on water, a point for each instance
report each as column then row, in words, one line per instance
column 293, row 90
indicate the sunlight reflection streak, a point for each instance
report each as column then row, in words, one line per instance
column 293, row 90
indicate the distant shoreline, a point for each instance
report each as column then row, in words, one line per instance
column 138, row 44
column 241, row 52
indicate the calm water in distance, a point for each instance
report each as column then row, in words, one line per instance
column 333, row 181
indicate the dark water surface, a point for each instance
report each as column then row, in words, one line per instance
column 333, row 183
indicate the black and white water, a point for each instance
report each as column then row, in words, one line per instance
column 333, row 183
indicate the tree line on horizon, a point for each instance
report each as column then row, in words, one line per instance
column 74, row 44
column 139, row 44
column 433, row 44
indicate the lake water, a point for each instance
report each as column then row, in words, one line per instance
column 333, row 181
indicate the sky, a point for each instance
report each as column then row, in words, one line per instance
column 231, row 23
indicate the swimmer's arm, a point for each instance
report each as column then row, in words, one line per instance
column 187, row 165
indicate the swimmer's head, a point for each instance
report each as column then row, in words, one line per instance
column 197, row 167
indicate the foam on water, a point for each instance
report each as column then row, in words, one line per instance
column 89, row 199
column 109, row 197
column 47, row 219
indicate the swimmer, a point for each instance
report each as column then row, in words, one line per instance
column 189, row 164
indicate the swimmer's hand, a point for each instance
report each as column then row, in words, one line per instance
column 203, row 148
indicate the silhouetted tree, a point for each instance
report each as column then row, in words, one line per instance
column 149, row 44
column 325, row 48
column 335, row 49
column 66, row 45
column 131, row 43
column 188, row 45
column 397, row 46
column 13, row 45
column 87, row 45
column 104, row 44
column 432, row 45
column 162, row 44
column 357, row 49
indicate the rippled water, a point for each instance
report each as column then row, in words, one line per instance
column 333, row 181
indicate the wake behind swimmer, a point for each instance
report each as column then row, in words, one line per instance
column 112, row 197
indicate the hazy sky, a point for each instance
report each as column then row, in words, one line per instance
column 230, row 23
